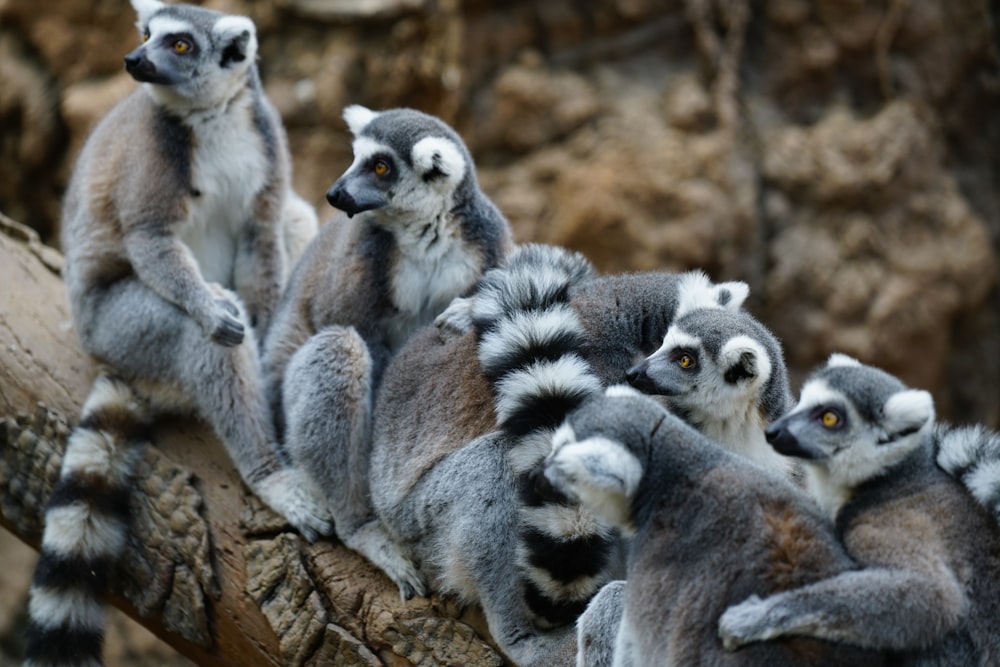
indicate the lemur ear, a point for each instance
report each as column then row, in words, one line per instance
column 838, row 359
column 731, row 295
column 907, row 412
column 695, row 291
column 357, row 117
column 437, row 158
column 744, row 359
column 238, row 35
column 144, row 9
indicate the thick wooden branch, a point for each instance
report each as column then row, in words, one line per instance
column 209, row 569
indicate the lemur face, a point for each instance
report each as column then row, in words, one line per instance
column 709, row 366
column 190, row 54
column 853, row 421
column 410, row 167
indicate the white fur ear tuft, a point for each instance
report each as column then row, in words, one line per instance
column 731, row 295
column 435, row 158
column 240, row 36
column 695, row 291
column 743, row 358
column 145, row 9
column 838, row 359
column 908, row 411
column 357, row 117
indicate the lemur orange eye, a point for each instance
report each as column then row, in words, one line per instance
column 182, row 46
column 381, row 168
column 830, row 419
column 145, row 37
column 685, row 361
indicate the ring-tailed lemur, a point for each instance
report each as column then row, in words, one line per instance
column 707, row 528
column 418, row 232
column 444, row 476
column 723, row 372
column 930, row 575
column 181, row 194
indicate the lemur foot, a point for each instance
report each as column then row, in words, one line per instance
column 292, row 494
column 371, row 541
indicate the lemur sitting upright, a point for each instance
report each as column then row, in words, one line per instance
column 177, row 226
column 930, row 574
column 418, row 232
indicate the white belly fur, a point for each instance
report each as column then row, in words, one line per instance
column 427, row 280
column 229, row 170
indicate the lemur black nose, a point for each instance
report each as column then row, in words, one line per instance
column 340, row 198
column 637, row 377
column 781, row 439
column 141, row 68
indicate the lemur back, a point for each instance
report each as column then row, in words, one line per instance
column 930, row 578
column 415, row 233
column 706, row 527
column 177, row 227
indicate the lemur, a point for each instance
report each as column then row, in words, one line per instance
column 723, row 372
column 415, row 233
column 177, row 226
column 706, row 528
column 929, row 582
column 457, row 488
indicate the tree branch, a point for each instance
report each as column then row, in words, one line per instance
column 209, row 569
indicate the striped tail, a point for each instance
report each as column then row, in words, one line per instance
column 86, row 524
column 971, row 454
column 531, row 347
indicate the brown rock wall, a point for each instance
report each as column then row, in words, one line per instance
column 842, row 157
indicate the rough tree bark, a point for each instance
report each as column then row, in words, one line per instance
column 209, row 569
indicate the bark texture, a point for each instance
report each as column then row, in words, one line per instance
column 209, row 569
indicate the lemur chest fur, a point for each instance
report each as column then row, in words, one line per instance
column 228, row 170
column 434, row 265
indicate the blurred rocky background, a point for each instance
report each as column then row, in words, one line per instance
column 840, row 156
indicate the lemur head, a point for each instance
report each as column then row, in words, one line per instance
column 853, row 422
column 598, row 453
column 407, row 164
column 717, row 363
column 191, row 58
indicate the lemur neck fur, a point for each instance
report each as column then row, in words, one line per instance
column 742, row 432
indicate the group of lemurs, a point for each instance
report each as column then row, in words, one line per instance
column 613, row 468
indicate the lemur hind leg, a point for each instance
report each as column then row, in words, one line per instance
column 167, row 357
column 328, row 394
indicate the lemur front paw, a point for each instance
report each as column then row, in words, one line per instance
column 455, row 320
column 227, row 329
column 745, row 623
column 289, row 493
